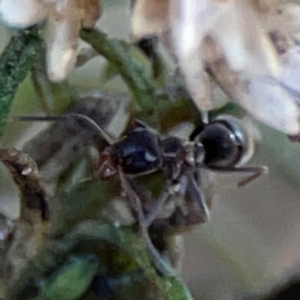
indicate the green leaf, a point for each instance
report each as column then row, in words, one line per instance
column 16, row 60
column 72, row 280
column 73, row 204
column 89, row 234
column 171, row 287
column 109, row 71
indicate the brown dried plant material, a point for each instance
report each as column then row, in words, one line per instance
column 32, row 226
column 64, row 18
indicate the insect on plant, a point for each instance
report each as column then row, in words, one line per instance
column 221, row 145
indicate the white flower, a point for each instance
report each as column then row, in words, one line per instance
column 231, row 34
column 64, row 20
column 234, row 41
column 283, row 23
column 22, row 13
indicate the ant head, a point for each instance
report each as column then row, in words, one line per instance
column 225, row 142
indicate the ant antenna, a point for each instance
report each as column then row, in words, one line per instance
column 85, row 118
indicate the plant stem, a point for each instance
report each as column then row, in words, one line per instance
column 117, row 52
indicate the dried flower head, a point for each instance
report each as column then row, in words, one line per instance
column 63, row 18
column 249, row 47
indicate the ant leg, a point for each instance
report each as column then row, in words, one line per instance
column 196, row 194
column 294, row 138
column 134, row 199
column 254, row 171
column 168, row 190
column 163, row 197
column 257, row 172
column 146, row 221
column 161, row 264
column 198, row 212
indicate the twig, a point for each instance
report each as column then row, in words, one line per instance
column 31, row 228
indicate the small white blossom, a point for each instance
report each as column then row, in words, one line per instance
column 251, row 48
column 22, row 13
column 291, row 72
column 64, row 18
column 283, row 23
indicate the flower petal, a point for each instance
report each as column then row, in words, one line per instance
column 187, row 43
column 283, row 23
column 91, row 11
column 262, row 98
column 283, row 18
column 290, row 78
column 236, row 31
column 62, row 40
column 149, row 17
column 244, row 40
column 22, row 13
column 271, row 104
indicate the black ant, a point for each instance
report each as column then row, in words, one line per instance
column 219, row 146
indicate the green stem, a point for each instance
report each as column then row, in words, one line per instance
column 16, row 60
column 117, row 52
